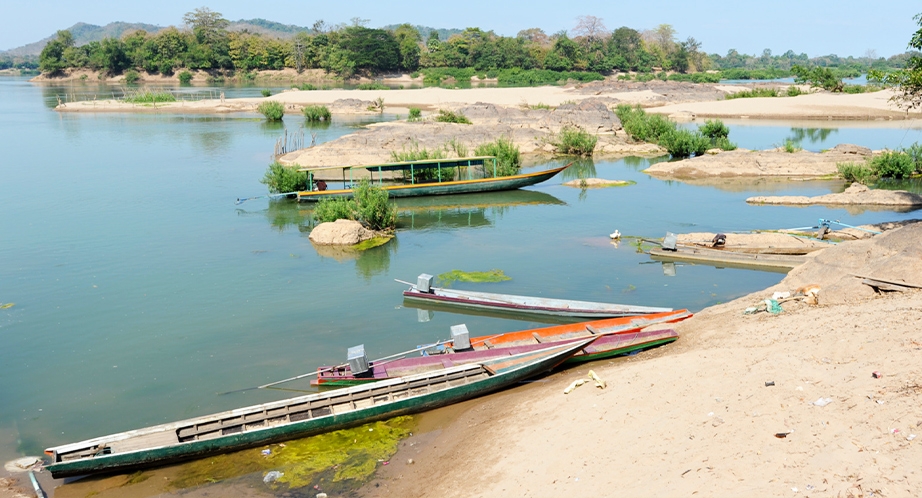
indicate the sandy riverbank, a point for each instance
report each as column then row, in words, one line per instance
column 731, row 409
column 701, row 100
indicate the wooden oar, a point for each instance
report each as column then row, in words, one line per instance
column 328, row 369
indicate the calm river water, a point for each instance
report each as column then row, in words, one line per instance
column 141, row 290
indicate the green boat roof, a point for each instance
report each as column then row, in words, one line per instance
column 406, row 165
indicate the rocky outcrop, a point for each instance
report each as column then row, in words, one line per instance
column 340, row 232
column 532, row 130
column 856, row 194
column 772, row 162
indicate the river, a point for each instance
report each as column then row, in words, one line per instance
column 141, row 291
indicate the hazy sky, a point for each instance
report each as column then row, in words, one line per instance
column 846, row 27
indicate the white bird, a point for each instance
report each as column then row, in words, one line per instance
column 615, row 235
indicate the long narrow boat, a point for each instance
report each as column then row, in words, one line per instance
column 301, row 416
column 728, row 257
column 524, row 304
column 604, row 346
column 432, row 187
column 500, row 343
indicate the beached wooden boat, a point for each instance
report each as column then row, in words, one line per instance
column 724, row 256
column 605, row 346
column 301, row 416
column 416, row 188
column 523, row 304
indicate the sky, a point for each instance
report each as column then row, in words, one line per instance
column 846, row 27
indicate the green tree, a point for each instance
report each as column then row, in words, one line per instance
column 822, row 77
column 408, row 39
column 207, row 25
column 908, row 82
column 51, row 60
column 371, row 49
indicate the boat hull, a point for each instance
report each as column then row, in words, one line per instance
column 486, row 301
column 491, row 376
column 444, row 188
column 606, row 346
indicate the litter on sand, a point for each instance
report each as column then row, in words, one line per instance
column 598, row 380
column 272, row 476
column 573, row 385
column 822, row 401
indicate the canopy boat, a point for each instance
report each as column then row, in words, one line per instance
column 425, row 177
column 423, row 291
column 605, row 346
column 302, row 416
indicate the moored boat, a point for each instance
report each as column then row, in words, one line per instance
column 605, row 346
column 318, row 189
column 423, row 291
column 301, row 416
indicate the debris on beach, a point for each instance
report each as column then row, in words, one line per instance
column 598, row 380
column 573, row 385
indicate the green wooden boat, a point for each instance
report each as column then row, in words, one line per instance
column 301, row 416
column 350, row 175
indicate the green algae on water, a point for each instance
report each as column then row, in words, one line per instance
column 340, row 460
column 4, row 306
column 372, row 243
column 446, row 279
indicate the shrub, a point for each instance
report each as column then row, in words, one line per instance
column 368, row 205
column 452, row 117
column 822, row 77
column 305, row 86
column 149, row 97
column 415, row 114
column 332, row 209
column 642, row 126
column 281, row 179
column 794, row 91
column 856, row 172
column 755, row 92
column 724, row 143
column 575, row 141
column 791, row 146
column 185, row 77
column 373, row 207
column 273, row 110
column 714, row 129
column 372, row 86
column 854, row 89
column 893, row 164
column 684, row 143
column 317, row 113
column 914, row 151
column 266, row 92
column 508, row 157
column 132, row 76
column 459, row 148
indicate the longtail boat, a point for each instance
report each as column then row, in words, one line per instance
column 728, row 257
column 301, row 416
column 605, row 346
column 423, row 291
column 317, row 189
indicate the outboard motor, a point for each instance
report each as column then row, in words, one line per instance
column 358, row 361
column 460, row 337
column 424, row 283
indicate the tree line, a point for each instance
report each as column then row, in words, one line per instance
column 345, row 51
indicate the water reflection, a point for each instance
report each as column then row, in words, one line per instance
column 813, row 135
column 368, row 263
column 641, row 163
column 580, row 168
column 468, row 210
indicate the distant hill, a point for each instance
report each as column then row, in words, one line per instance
column 265, row 27
column 85, row 33
column 424, row 31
